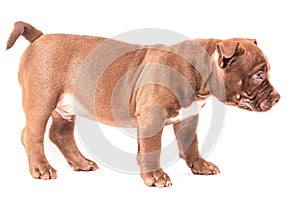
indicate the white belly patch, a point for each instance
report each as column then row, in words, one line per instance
column 183, row 113
column 65, row 107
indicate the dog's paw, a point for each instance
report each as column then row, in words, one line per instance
column 83, row 165
column 156, row 178
column 43, row 171
column 203, row 167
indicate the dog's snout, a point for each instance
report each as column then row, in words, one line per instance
column 275, row 96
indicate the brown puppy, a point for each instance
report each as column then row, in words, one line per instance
column 129, row 85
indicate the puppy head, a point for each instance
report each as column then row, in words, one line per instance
column 245, row 72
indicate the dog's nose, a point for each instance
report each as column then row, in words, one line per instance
column 276, row 96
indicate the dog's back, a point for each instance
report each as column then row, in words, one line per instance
column 65, row 49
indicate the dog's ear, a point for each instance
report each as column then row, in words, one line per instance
column 226, row 50
column 253, row 41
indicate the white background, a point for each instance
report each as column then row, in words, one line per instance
column 258, row 153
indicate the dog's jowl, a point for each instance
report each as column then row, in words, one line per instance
column 131, row 85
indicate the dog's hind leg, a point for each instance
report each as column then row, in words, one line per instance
column 38, row 108
column 62, row 135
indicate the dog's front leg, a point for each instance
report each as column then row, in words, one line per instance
column 150, row 128
column 187, row 141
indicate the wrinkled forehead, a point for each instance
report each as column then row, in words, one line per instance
column 253, row 57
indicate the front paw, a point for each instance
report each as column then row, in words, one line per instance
column 83, row 164
column 202, row 167
column 156, row 178
column 42, row 170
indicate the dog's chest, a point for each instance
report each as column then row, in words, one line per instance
column 189, row 111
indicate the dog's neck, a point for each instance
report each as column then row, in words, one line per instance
column 215, row 84
column 216, row 80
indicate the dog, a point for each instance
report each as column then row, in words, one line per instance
column 131, row 85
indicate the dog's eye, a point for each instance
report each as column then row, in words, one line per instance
column 259, row 75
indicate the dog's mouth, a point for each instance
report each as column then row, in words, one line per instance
column 259, row 103
column 242, row 102
column 246, row 105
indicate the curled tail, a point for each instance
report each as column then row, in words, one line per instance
column 22, row 28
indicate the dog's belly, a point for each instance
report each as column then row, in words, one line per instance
column 67, row 106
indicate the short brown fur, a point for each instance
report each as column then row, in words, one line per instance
column 51, row 67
